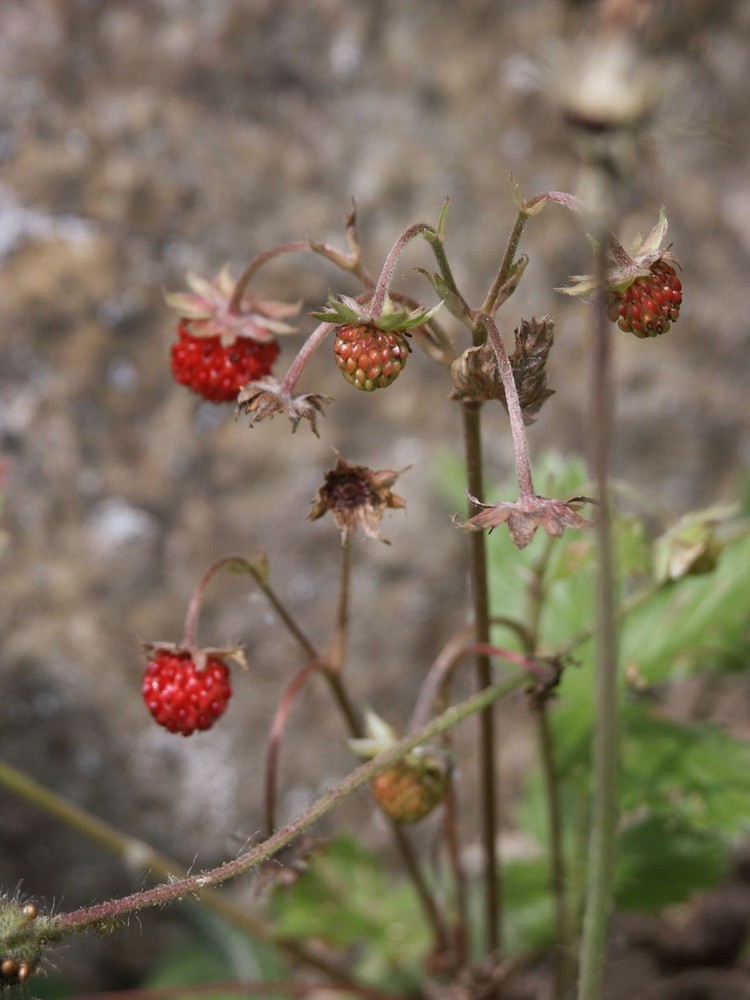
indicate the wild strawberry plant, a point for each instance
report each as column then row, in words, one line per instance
column 571, row 602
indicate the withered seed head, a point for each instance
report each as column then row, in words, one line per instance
column 357, row 497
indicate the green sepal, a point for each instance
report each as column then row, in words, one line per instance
column 345, row 311
column 450, row 300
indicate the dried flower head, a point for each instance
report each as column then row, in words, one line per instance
column 527, row 514
column 265, row 397
column 476, row 373
column 357, row 497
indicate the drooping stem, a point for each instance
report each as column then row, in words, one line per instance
column 293, row 688
column 329, row 665
column 488, row 770
column 259, row 572
column 351, row 261
column 235, row 303
column 520, row 447
column 454, row 653
column 386, row 275
column 194, row 607
column 307, row 350
column 307, row 648
column 602, row 845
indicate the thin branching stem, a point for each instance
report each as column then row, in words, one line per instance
column 488, row 769
column 141, row 856
column 490, row 303
column 56, row 926
column 307, row 350
column 386, row 276
column 515, row 414
column 273, row 748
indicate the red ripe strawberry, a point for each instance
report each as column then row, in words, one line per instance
column 227, row 337
column 649, row 305
column 183, row 696
column 370, row 358
column 218, row 372
column 408, row 791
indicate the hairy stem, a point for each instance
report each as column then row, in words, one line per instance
column 141, row 856
column 307, row 350
column 386, row 276
column 63, row 923
column 520, row 447
column 194, row 608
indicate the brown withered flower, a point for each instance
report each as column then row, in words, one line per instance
column 357, row 498
column 476, row 374
column 527, row 514
column 265, row 397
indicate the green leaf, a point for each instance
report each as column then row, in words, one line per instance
column 692, row 622
column 662, row 862
column 346, row 899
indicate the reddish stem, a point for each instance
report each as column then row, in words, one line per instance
column 520, row 447
column 449, row 658
column 307, row 350
column 193, row 611
column 386, row 276
column 347, row 262
column 274, row 740
column 235, row 303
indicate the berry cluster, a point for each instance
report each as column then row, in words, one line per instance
column 648, row 306
column 183, row 696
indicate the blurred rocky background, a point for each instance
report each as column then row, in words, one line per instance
column 140, row 140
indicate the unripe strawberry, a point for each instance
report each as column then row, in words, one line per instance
column 184, row 695
column 648, row 306
column 371, row 349
column 370, row 358
column 411, row 789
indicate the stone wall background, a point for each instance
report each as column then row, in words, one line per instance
column 139, row 140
